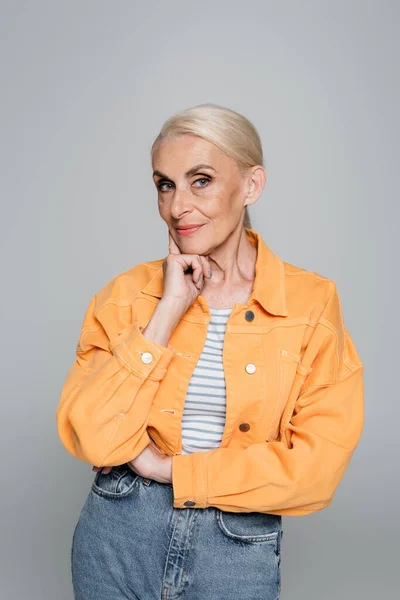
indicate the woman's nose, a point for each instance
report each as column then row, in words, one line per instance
column 181, row 203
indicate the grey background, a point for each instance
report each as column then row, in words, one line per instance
column 85, row 88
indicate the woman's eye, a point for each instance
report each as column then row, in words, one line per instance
column 160, row 187
column 202, row 179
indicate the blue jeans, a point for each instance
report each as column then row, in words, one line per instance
column 130, row 543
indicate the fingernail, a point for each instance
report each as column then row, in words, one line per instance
column 210, row 273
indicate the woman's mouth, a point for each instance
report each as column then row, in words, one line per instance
column 188, row 230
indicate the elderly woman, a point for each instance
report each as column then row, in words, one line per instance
column 214, row 391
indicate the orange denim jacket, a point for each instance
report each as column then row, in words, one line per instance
column 293, row 419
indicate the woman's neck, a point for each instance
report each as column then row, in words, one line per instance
column 233, row 270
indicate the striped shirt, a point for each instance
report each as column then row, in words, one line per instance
column 204, row 412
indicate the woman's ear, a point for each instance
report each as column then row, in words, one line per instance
column 255, row 184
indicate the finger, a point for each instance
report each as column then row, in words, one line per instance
column 104, row 470
column 197, row 274
column 200, row 282
column 172, row 245
column 206, row 266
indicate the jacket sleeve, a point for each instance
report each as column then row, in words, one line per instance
column 106, row 398
column 299, row 473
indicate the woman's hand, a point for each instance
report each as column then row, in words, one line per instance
column 151, row 463
column 183, row 275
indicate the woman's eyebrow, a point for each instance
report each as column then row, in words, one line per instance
column 191, row 171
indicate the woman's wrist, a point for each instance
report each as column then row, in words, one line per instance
column 165, row 318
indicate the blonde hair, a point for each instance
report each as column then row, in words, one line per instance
column 230, row 131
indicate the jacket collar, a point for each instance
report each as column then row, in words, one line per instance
column 269, row 282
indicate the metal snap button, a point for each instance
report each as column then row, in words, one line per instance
column 147, row 357
column 244, row 426
column 249, row 315
column 189, row 503
column 250, row 368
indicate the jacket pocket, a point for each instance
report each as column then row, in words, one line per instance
column 118, row 483
column 250, row 527
column 291, row 378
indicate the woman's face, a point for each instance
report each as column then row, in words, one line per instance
column 198, row 185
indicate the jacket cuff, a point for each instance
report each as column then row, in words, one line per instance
column 189, row 480
column 142, row 356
